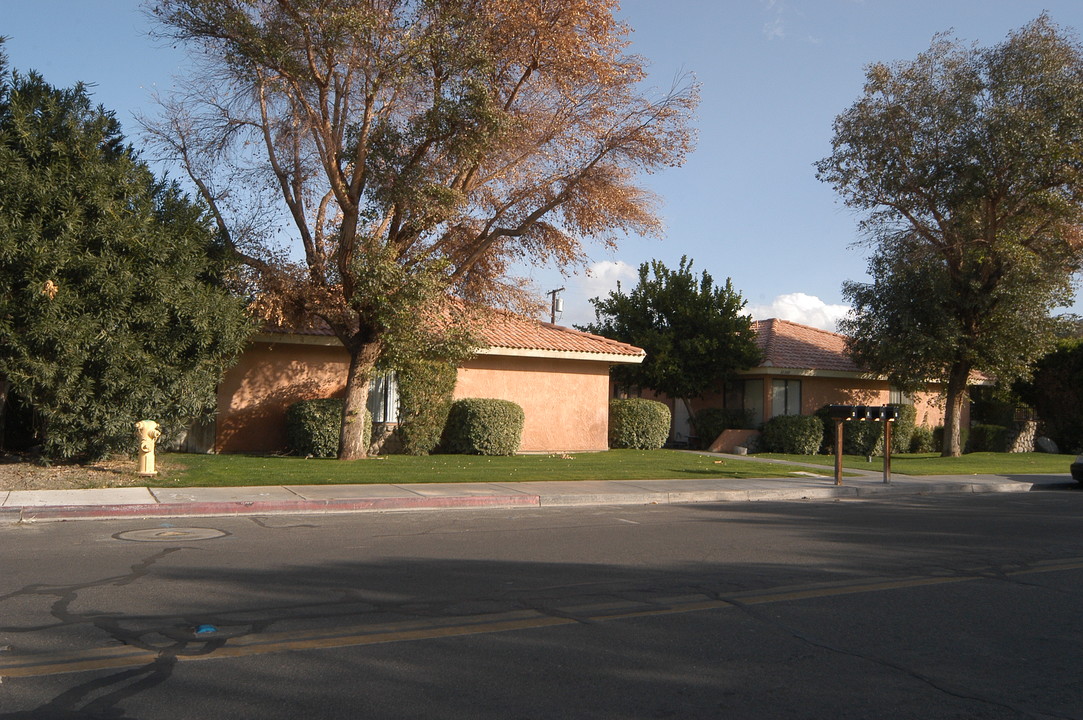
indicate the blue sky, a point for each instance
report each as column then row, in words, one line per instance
column 746, row 205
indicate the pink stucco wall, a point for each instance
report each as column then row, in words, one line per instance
column 819, row 391
column 268, row 378
column 566, row 402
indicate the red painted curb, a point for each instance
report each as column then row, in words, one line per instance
column 81, row 512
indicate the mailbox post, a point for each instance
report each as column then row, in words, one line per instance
column 840, row 414
column 883, row 413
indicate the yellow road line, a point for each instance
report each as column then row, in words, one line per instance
column 249, row 645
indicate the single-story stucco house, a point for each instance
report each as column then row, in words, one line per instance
column 803, row 369
column 559, row 376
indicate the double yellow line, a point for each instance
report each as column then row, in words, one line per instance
column 35, row 665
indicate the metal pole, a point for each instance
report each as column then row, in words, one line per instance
column 838, row 452
column 887, row 452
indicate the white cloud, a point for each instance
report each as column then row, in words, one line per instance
column 599, row 280
column 775, row 27
column 602, row 277
column 801, row 308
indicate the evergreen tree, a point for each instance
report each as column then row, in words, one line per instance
column 112, row 305
column 692, row 330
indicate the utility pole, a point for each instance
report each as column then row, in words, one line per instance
column 556, row 305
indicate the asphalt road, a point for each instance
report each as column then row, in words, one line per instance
column 933, row 607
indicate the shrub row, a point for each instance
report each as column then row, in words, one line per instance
column 483, row 426
column 475, row 426
column 312, row 427
column 793, row 434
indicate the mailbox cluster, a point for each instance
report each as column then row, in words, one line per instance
column 877, row 413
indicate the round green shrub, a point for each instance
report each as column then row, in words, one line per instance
column 921, row 441
column 793, row 434
column 313, row 427
column 638, row 423
column 483, row 426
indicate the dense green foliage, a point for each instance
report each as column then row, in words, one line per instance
column 921, row 441
column 988, row 438
column 112, row 308
column 867, row 438
column 425, row 398
column 711, row 422
column 1056, row 394
column 483, row 426
column 693, row 331
column 792, row 434
column 638, row 423
column 966, row 162
column 312, row 427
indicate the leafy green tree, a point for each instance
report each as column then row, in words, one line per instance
column 1056, row 393
column 112, row 307
column 968, row 165
column 418, row 149
column 692, row 330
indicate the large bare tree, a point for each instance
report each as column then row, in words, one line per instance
column 418, row 149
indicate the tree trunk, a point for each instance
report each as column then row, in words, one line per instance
column 352, row 444
column 4, row 386
column 953, row 413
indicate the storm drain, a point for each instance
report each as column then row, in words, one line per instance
column 171, row 534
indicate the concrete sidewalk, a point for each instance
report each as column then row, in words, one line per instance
column 815, row 484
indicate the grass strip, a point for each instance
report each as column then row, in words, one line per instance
column 983, row 463
column 185, row 470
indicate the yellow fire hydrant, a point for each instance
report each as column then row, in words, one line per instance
column 147, row 431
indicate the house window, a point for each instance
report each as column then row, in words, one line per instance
column 745, row 395
column 383, row 400
column 785, row 397
column 898, row 397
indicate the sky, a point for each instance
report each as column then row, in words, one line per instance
column 746, row 205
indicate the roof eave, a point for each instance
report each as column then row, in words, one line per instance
column 332, row 341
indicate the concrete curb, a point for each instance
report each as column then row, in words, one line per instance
column 293, row 507
column 118, row 511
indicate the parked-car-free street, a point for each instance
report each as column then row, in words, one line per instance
column 952, row 606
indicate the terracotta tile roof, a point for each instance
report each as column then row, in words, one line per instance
column 790, row 345
column 518, row 333
column 514, row 332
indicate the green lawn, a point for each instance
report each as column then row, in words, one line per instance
column 184, row 470
column 932, row 464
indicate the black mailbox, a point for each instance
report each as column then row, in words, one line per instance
column 891, row 412
column 840, row 412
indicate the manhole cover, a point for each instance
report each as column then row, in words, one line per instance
column 172, row 534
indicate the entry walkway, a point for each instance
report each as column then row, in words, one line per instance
column 817, row 484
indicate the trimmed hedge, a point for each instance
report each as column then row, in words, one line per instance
column 793, row 434
column 483, row 426
column 988, row 438
column 313, row 427
column 638, row 423
column 711, row 422
column 922, row 440
column 425, row 398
